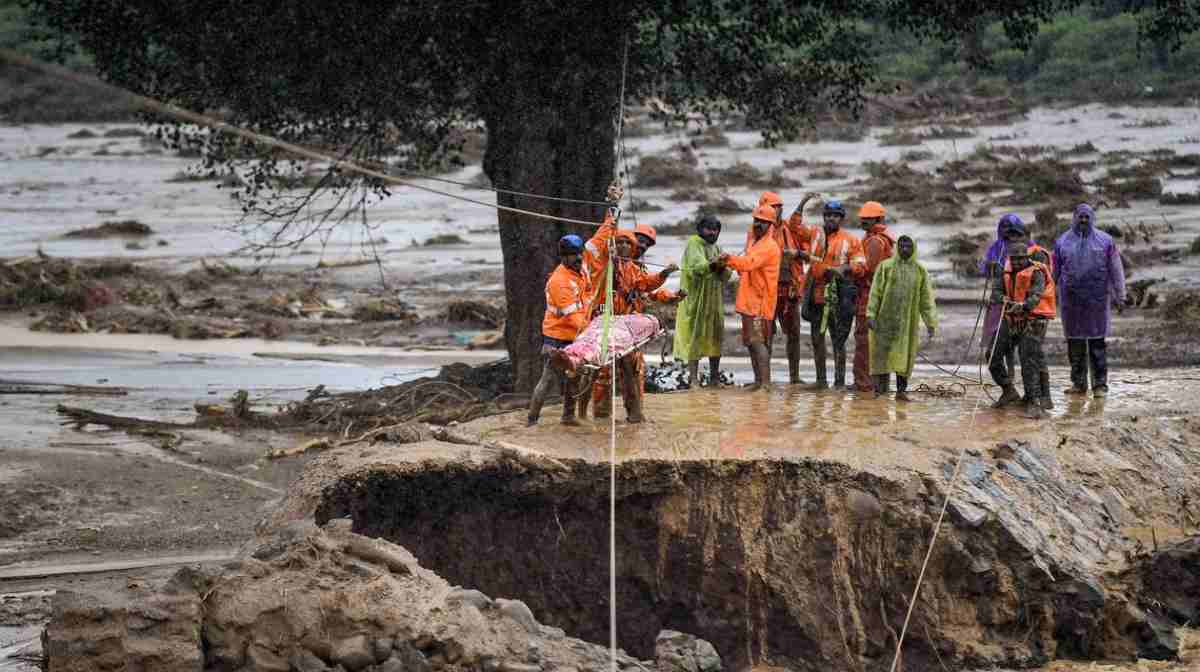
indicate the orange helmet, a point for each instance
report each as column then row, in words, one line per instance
column 770, row 198
column 765, row 213
column 871, row 210
column 647, row 231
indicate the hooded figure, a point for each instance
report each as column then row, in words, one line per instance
column 901, row 296
column 700, row 321
column 993, row 261
column 1090, row 278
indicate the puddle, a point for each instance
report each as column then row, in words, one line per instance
column 874, row 434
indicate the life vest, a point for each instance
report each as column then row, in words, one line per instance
column 1047, row 307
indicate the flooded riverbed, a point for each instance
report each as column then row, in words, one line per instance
column 48, row 193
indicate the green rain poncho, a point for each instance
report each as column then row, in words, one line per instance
column 901, row 295
column 700, row 322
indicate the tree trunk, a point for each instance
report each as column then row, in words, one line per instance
column 550, row 132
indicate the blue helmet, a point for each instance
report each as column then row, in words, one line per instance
column 834, row 205
column 570, row 244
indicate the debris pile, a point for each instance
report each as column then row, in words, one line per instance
column 319, row 600
column 122, row 229
column 475, row 313
column 933, row 200
column 44, row 280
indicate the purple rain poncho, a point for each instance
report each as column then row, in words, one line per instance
column 997, row 252
column 1089, row 276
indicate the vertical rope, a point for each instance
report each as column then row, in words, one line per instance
column 942, row 514
column 612, row 429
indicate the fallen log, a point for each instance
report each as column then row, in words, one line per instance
column 81, row 417
column 33, row 387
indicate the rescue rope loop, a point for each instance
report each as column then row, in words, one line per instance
column 947, row 391
column 181, row 114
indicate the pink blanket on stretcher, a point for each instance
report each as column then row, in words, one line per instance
column 625, row 334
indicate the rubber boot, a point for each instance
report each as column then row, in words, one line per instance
column 1046, row 402
column 902, row 388
column 603, row 407
column 585, row 398
column 1034, row 411
column 693, row 369
column 839, row 369
column 540, row 392
column 631, row 393
column 714, row 372
column 822, row 382
column 568, row 395
column 764, row 367
column 1008, row 395
column 793, row 353
column 881, row 385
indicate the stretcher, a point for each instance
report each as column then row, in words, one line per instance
column 626, row 334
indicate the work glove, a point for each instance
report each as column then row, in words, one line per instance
column 930, row 331
column 715, row 266
column 871, row 324
column 680, row 295
column 670, row 268
column 615, row 193
column 1120, row 307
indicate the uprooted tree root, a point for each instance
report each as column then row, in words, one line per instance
column 459, row 393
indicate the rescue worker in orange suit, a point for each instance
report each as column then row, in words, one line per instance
column 791, row 235
column 758, row 288
column 632, row 285
column 1027, row 293
column 878, row 243
column 837, row 258
column 568, row 293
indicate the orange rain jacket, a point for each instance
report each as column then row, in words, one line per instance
column 568, row 294
column 877, row 246
column 633, row 284
column 595, row 254
column 758, row 289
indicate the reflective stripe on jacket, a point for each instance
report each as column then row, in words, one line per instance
column 567, row 309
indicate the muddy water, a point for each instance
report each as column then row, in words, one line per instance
column 879, row 435
column 71, row 187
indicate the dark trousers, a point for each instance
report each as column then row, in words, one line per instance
column 1079, row 351
column 1026, row 338
column 839, row 332
column 882, row 382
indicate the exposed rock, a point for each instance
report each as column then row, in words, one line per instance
column 679, row 652
column 304, row 661
column 353, row 653
column 519, row 612
column 320, row 599
column 1171, row 577
column 812, row 583
column 262, row 659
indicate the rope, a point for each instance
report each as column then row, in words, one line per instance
column 941, row 515
column 612, row 391
column 511, row 192
column 178, row 113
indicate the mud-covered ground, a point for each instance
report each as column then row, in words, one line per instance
column 181, row 318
